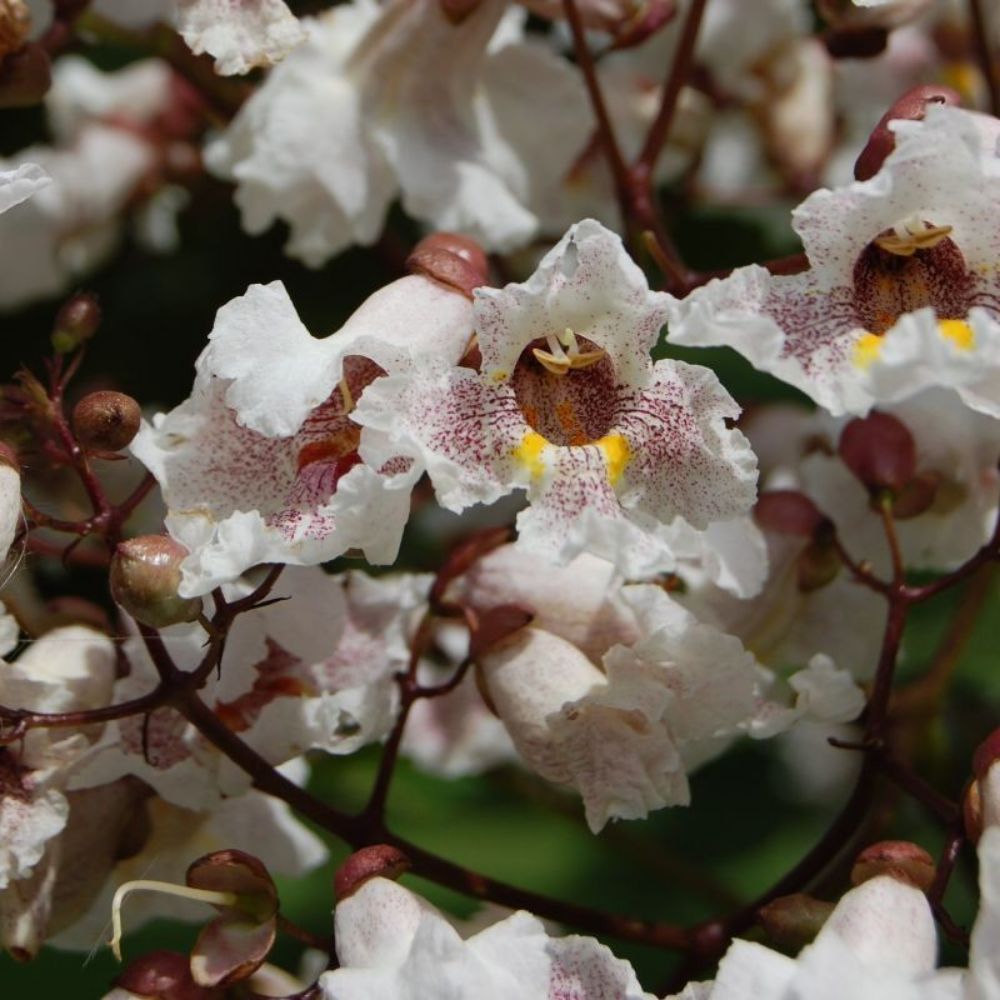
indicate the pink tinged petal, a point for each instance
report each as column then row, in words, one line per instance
column 887, row 925
column 21, row 183
column 584, row 969
column 586, row 283
column 983, row 979
column 573, row 728
column 241, row 34
column 280, row 372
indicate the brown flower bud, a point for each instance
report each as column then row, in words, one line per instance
column 106, row 421
column 788, row 512
column 879, row 449
column 15, row 23
column 911, row 106
column 917, row 496
column 818, row 565
column 77, row 611
column 25, row 76
column 793, row 921
column 76, row 323
column 972, row 812
column 377, row 861
column 145, row 575
column 897, row 858
column 452, row 260
column 163, row 975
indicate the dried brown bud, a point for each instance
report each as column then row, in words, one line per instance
column 879, row 449
column 76, row 323
column 106, row 421
column 793, row 921
column 451, row 259
column 897, row 858
column 163, row 975
column 788, row 512
column 377, row 861
column 15, row 23
column 25, row 77
column 145, row 575
column 911, row 106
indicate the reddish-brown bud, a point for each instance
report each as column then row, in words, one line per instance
column 986, row 755
column 917, row 496
column 788, row 512
column 818, row 565
column 899, row 859
column 15, row 23
column 456, row 11
column 163, row 975
column 76, row 323
column 972, row 812
column 793, row 921
column 77, row 611
column 377, row 861
column 106, row 420
column 25, row 77
column 452, row 260
column 879, row 450
column 145, row 575
column 912, row 106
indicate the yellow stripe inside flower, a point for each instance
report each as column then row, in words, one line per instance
column 615, row 449
column 868, row 347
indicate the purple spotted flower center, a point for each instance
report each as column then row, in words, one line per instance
column 573, row 408
column 887, row 284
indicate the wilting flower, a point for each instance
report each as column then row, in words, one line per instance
column 615, row 452
column 260, row 464
column 394, row 100
column 393, row 944
column 902, row 289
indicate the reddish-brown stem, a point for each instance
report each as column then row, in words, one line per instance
column 989, row 553
column 605, row 129
column 860, row 571
column 987, row 63
column 292, row 929
column 878, row 700
column 942, row 876
column 679, row 70
column 891, row 538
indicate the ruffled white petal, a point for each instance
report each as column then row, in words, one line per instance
column 21, row 183
column 240, row 34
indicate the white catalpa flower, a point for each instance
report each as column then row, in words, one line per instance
column 20, row 183
column 394, row 100
column 902, row 290
column 315, row 671
column 615, row 452
column 392, row 945
column 260, row 464
column 68, row 669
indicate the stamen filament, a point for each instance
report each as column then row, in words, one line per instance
column 212, row 896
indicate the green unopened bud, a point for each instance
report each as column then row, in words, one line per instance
column 793, row 921
column 145, row 576
column 897, row 858
column 106, row 421
column 76, row 323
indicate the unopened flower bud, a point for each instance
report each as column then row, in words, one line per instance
column 899, row 859
column 76, row 323
column 106, row 420
column 911, row 106
column 452, row 260
column 793, row 921
column 981, row 803
column 879, row 449
column 160, row 975
column 145, row 576
column 456, row 11
column 15, row 23
column 917, row 496
column 377, row 861
column 819, row 563
column 788, row 512
column 25, row 77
